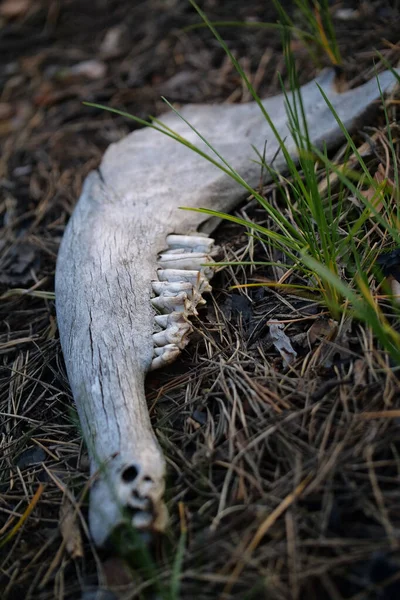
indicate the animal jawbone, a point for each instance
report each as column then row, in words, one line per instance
column 126, row 287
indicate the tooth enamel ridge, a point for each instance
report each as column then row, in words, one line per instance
column 183, row 276
column 187, row 259
column 164, row 356
column 196, row 278
column 193, row 243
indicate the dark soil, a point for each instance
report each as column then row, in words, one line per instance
column 241, row 434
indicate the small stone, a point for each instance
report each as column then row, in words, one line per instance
column 347, row 14
column 199, row 417
column 113, row 42
column 92, row 69
column 30, row 457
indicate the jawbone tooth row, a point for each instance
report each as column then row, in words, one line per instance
column 183, row 276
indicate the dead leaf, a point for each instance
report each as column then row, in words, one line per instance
column 192, row 423
column 360, row 372
column 17, row 263
column 69, row 528
column 352, row 161
column 282, row 342
column 322, row 329
column 373, row 194
column 334, row 345
column 117, row 573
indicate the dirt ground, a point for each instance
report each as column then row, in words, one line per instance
column 240, row 432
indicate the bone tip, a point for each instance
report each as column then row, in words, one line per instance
column 134, row 533
column 127, row 495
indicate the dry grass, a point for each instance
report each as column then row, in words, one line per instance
column 285, row 478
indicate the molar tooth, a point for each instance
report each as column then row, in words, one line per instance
column 166, row 350
column 162, row 320
column 170, row 303
column 178, row 275
column 195, row 243
column 177, row 334
column 167, row 289
column 164, row 356
column 176, row 251
column 170, row 319
column 186, row 261
column 173, row 287
column 196, row 278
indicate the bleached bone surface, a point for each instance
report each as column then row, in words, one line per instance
column 127, row 215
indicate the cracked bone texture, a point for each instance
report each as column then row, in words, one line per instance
column 112, row 249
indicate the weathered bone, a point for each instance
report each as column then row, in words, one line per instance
column 109, row 257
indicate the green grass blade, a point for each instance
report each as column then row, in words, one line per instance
column 175, row 582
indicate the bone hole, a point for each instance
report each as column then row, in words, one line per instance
column 147, row 479
column 129, row 474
